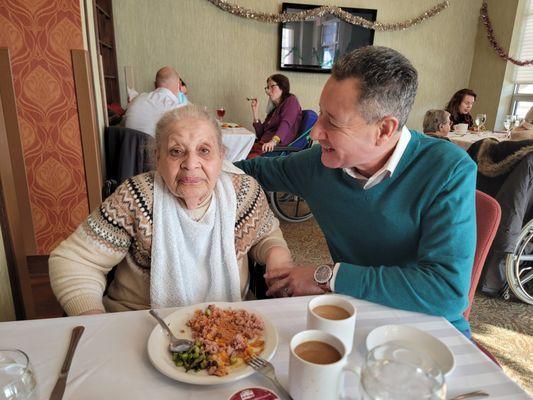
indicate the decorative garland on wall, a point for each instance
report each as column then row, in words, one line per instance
column 494, row 42
column 323, row 10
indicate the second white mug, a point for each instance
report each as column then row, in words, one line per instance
column 333, row 314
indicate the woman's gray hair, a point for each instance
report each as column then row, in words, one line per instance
column 434, row 119
column 190, row 111
column 387, row 82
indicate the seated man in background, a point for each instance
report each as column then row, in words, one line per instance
column 147, row 108
column 397, row 208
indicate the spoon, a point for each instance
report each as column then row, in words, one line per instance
column 470, row 395
column 176, row 345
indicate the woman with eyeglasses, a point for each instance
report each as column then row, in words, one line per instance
column 283, row 119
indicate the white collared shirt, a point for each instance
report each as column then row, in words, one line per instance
column 384, row 172
column 389, row 167
column 146, row 109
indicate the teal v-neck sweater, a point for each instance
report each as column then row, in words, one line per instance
column 407, row 242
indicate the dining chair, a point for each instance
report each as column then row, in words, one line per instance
column 488, row 215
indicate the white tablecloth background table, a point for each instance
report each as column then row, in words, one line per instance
column 465, row 141
column 238, row 142
column 111, row 361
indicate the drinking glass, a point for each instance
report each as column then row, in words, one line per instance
column 220, row 113
column 396, row 371
column 16, row 376
column 479, row 121
column 508, row 123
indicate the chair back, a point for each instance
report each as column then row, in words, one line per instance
column 127, row 153
column 309, row 117
column 488, row 215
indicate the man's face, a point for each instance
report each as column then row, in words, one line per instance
column 347, row 140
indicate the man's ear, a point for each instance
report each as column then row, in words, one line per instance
column 387, row 128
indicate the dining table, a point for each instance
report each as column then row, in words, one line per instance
column 465, row 140
column 237, row 140
column 112, row 362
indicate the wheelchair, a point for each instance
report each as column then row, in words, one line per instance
column 289, row 207
column 519, row 267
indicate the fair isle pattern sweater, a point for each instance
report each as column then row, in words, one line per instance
column 120, row 232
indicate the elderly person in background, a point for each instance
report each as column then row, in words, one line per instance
column 147, row 108
column 283, row 119
column 437, row 124
column 460, row 106
column 525, row 130
column 180, row 235
column 396, row 207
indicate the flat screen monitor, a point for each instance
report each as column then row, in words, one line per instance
column 314, row 45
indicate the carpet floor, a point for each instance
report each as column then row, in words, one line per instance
column 505, row 328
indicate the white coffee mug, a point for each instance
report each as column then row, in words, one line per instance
column 461, row 128
column 342, row 328
column 308, row 380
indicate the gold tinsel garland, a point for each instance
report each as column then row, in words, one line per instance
column 333, row 10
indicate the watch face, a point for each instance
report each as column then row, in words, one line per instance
column 323, row 274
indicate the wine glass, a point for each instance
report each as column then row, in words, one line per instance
column 220, row 113
column 479, row 121
column 16, row 376
column 508, row 123
column 395, row 370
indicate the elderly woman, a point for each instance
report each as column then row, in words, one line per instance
column 460, row 106
column 180, row 235
column 283, row 119
column 437, row 123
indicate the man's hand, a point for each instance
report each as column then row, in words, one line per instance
column 269, row 146
column 297, row 281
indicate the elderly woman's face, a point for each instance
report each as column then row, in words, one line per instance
column 190, row 160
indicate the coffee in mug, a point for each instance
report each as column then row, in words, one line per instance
column 329, row 311
column 317, row 352
column 334, row 314
column 317, row 362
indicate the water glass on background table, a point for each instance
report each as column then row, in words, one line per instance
column 479, row 121
column 16, row 375
column 396, row 371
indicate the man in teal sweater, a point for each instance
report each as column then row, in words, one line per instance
column 397, row 208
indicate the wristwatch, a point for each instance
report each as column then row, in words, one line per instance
column 323, row 275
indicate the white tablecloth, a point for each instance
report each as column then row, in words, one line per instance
column 111, row 361
column 238, row 142
column 465, row 141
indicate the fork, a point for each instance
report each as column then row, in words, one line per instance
column 266, row 369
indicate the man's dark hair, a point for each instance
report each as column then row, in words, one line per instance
column 387, row 82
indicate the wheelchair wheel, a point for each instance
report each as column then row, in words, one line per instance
column 289, row 207
column 519, row 266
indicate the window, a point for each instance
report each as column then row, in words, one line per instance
column 523, row 90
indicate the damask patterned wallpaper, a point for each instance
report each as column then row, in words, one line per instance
column 40, row 35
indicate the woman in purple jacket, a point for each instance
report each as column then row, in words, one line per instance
column 282, row 121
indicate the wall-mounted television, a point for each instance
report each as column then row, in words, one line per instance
column 314, row 45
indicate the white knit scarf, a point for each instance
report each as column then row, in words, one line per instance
column 194, row 261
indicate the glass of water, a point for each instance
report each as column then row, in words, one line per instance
column 396, row 371
column 16, row 376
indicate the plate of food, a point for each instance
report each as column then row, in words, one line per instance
column 229, row 125
column 225, row 335
column 411, row 336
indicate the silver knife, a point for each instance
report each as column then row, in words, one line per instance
column 59, row 388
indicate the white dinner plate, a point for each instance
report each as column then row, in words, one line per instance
column 162, row 359
column 418, row 339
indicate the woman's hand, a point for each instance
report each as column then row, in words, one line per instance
column 255, row 109
column 92, row 312
column 268, row 146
